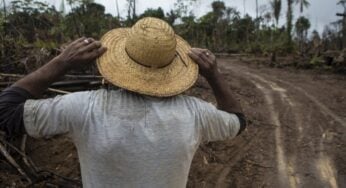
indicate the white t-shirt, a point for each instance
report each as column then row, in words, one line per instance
column 125, row 139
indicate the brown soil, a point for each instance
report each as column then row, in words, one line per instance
column 295, row 138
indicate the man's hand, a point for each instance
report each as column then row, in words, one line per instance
column 80, row 52
column 224, row 97
column 208, row 68
column 206, row 62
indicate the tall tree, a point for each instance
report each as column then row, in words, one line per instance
column 244, row 6
column 343, row 21
column 276, row 8
column 4, row 8
column 218, row 24
column 184, row 8
column 289, row 23
column 117, row 7
column 302, row 26
column 256, row 9
column 303, row 4
column 131, row 10
column 218, row 9
column 62, row 7
column 342, row 3
column 150, row 12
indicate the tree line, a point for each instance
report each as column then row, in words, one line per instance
column 32, row 24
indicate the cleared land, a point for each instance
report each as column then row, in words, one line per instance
column 296, row 134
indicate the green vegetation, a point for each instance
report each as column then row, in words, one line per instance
column 28, row 25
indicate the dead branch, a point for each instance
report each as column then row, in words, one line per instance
column 65, row 87
column 66, row 76
column 58, row 91
column 257, row 164
column 83, row 76
column 14, row 163
column 39, row 174
column 27, row 160
column 11, row 75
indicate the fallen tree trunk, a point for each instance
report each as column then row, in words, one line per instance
column 66, row 86
column 66, row 76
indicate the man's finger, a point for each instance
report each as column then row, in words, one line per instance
column 197, row 59
column 200, row 49
column 91, row 40
column 92, row 46
column 83, row 43
column 78, row 41
column 206, row 55
column 206, row 58
column 96, row 53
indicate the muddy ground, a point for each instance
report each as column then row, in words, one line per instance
column 295, row 138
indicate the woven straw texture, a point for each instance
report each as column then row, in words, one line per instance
column 148, row 59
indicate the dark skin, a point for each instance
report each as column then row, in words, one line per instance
column 83, row 51
column 208, row 69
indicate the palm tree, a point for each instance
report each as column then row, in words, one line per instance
column 117, row 7
column 62, row 7
column 276, row 8
column 303, row 4
column 342, row 3
column 302, row 26
column 244, row 7
column 256, row 9
column 289, row 22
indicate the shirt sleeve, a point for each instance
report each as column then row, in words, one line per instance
column 58, row 115
column 215, row 124
column 11, row 110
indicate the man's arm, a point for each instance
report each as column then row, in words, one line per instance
column 224, row 97
column 78, row 53
column 12, row 99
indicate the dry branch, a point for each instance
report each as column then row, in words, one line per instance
column 66, row 76
column 257, row 164
column 11, row 75
column 13, row 162
column 38, row 174
column 65, row 87
column 58, row 91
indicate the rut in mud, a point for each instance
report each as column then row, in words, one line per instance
column 296, row 133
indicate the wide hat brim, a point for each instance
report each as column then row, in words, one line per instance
column 119, row 69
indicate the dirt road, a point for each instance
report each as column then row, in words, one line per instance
column 296, row 134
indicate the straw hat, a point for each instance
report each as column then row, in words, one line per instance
column 148, row 59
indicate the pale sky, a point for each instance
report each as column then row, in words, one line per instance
column 320, row 13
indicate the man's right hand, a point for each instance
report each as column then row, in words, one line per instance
column 80, row 52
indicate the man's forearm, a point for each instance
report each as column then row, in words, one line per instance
column 80, row 52
column 224, row 97
column 38, row 81
column 225, row 100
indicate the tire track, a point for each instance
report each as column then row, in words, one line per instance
column 323, row 107
column 323, row 164
column 286, row 167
